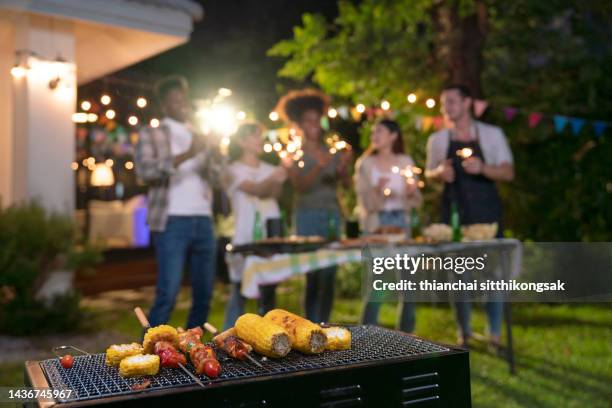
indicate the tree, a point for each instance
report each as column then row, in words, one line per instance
column 539, row 56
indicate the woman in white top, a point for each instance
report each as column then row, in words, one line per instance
column 386, row 193
column 254, row 187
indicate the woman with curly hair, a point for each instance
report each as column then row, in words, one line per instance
column 316, row 205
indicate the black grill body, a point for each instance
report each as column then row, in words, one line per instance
column 384, row 368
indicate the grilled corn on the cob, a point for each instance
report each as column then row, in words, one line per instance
column 117, row 352
column 144, row 364
column 338, row 338
column 305, row 336
column 266, row 337
column 159, row 333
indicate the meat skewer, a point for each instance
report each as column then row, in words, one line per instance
column 231, row 344
column 202, row 356
column 165, row 348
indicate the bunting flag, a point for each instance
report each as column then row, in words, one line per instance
column 343, row 111
column 426, row 123
column 577, row 125
column 438, row 122
column 510, row 112
column 480, row 107
column 599, row 126
column 534, row 119
column 560, row 122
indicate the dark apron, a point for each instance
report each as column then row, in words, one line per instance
column 476, row 195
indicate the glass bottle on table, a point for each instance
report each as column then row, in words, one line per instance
column 415, row 223
column 332, row 227
column 455, row 222
column 257, row 228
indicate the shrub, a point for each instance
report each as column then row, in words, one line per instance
column 34, row 243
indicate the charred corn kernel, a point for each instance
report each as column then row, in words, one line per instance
column 117, row 352
column 159, row 333
column 266, row 337
column 305, row 336
column 143, row 364
column 338, row 338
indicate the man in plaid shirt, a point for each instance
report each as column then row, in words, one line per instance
column 180, row 170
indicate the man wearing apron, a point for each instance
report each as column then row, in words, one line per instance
column 470, row 157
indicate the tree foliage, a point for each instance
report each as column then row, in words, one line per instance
column 548, row 56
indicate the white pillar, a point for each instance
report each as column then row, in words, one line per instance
column 37, row 142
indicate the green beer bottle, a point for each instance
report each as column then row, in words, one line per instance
column 415, row 224
column 257, row 228
column 455, row 222
column 332, row 228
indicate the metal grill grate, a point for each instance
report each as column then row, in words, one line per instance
column 90, row 378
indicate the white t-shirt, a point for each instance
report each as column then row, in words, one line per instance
column 396, row 183
column 188, row 192
column 245, row 205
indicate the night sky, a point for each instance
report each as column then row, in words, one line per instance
column 228, row 49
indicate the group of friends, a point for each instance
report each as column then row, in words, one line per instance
column 181, row 168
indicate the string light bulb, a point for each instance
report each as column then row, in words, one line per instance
column 360, row 107
column 241, row 115
column 86, row 105
column 154, row 123
column 110, row 114
column 141, row 102
column 133, row 120
column 105, row 99
column 273, row 116
column 385, row 105
column 19, row 71
column 332, row 113
column 430, row 103
column 129, row 165
column 412, row 98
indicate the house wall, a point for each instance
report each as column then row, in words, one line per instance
column 41, row 132
column 6, row 113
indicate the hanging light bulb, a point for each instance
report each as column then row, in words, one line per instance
column 86, row 105
column 332, row 113
column 412, row 98
column 154, row 122
column 110, row 114
column 385, row 105
column 141, row 102
column 133, row 120
column 273, row 116
column 18, row 71
column 360, row 108
column 430, row 103
column 105, row 99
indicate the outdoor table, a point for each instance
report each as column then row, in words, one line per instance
column 260, row 270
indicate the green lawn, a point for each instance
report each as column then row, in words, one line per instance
column 563, row 352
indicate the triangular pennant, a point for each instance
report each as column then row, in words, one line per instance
column 577, row 124
column 534, row 119
column 438, row 122
column 479, row 107
column 510, row 112
column 599, row 126
column 426, row 123
column 560, row 122
column 418, row 122
column 343, row 111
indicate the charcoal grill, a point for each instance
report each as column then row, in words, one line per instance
column 383, row 368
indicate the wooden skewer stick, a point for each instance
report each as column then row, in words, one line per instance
column 144, row 322
column 213, row 330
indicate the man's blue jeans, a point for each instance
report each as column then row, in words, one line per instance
column 186, row 239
